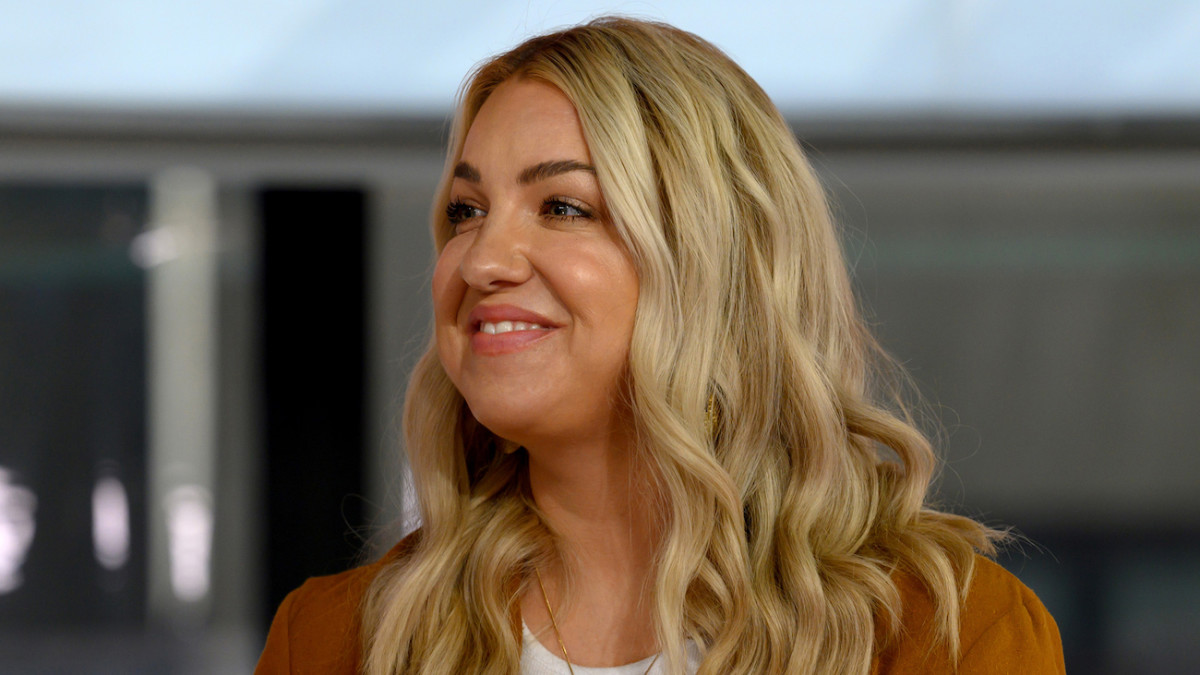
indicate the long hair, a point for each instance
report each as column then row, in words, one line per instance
column 786, row 522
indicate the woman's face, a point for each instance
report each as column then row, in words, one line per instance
column 534, row 294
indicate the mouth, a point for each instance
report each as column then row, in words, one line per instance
column 503, row 329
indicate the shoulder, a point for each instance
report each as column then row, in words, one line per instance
column 1004, row 628
column 317, row 626
column 1005, row 622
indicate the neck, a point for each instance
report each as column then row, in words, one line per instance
column 597, row 498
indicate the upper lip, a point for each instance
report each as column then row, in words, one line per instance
column 497, row 313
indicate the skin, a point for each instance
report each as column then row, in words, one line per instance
column 534, row 243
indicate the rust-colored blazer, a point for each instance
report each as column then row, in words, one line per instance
column 1005, row 629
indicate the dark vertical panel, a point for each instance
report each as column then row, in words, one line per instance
column 313, row 354
column 72, row 398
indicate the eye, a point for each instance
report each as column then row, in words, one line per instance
column 558, row 207
column 458, row 212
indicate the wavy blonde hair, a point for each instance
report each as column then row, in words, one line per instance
column 785, row 526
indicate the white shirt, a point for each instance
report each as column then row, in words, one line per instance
column 537, row 660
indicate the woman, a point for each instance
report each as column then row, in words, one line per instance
column 644, row 438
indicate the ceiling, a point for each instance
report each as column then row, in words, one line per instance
column 1018, row 57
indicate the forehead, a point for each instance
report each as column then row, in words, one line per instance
column 525, row 121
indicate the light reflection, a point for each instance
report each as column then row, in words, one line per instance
column 17, row 526
column 189, row 535
column 155, row 247
column 110, row 523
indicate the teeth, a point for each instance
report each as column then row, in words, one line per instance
column 507, row 327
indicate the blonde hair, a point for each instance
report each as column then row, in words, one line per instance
column 785, row 526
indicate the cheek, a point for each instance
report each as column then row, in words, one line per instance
column 628, row 314
column 606, row 284
column 448, row 286
column 448, row 289
column 623, row 284
column 627, row 291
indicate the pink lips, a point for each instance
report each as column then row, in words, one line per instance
column 512, row 341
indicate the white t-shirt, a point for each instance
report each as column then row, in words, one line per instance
column 537, row 660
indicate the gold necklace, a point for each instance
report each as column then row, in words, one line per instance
column 558, row 634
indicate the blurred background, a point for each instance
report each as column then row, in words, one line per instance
column 213, row 282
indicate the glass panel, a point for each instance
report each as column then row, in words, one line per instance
column 72, row 402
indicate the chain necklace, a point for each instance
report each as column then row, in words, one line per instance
column 558, row 634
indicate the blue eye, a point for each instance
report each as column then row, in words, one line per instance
column 460, row 212
column 558, row 208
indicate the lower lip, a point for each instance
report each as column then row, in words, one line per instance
column 507, row 343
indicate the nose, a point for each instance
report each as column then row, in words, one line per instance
column 498, row 254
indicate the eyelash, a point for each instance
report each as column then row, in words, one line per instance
column 570, row 204
column 459, row 212
column 456, row 212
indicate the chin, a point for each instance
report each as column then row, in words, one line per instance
column 510, row 425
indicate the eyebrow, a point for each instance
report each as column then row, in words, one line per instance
column 533, row 174
column 466, row 172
